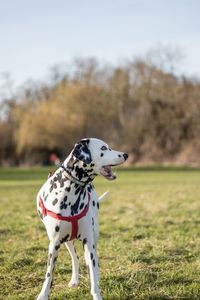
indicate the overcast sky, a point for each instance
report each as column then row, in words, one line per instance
column 37, row 34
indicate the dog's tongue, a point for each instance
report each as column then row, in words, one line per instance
column 108, row 169
column 112, row 176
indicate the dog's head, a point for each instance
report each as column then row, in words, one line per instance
column 97, row 156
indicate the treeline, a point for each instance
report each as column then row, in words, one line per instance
column 139, row 107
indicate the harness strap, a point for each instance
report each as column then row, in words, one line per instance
column 72, row 219
column 74, row 230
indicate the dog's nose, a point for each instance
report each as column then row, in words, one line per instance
column 125, row 155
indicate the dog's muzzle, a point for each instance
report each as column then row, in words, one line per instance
column 125, row 155
column 107, row 172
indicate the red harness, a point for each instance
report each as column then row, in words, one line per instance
column 73, row 219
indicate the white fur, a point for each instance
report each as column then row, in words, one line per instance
column 89, row 157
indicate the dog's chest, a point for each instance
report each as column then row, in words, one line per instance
column 64, row 197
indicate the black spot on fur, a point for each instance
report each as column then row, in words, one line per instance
column 94, row 263
column 55, row 201
column 57, row 247
column 84, row 194
column 40, row 214
column 93, row 203
column 89, row 188
column 57, row 228
column 91, row 256
column 92, row 221
column 86, row 141
column 48, row 274
column 82, row 152
column 75, row 206
column 80, row 173
column 53, row 186
column 67, row 189
column 77, row 190
column 98, row 205
column 65, row 198
column 62, row 205
column 81, row 206
column 65, row 239
column 55, row 259
column 84, row 242
column 59, row 179
column 102, row 154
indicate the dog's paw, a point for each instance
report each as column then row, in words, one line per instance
column 73, row 284
column 97, row 297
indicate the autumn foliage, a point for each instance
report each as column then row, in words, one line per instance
column 138, row 107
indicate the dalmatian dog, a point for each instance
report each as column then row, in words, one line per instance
column 68, row 206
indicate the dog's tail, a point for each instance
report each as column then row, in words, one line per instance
column 102, row 196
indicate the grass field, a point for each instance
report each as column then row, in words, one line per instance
column 149, row 244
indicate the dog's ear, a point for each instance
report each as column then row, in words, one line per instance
column 71, row 162
column 82, row 152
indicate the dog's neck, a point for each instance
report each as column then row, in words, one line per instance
column 77, row 171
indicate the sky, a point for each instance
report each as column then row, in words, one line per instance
column 38, row 34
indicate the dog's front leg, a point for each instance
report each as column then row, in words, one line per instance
column 52, row 256
column 75, row 264
column 92, row 261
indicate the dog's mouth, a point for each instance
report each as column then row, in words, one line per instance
column 107, row 172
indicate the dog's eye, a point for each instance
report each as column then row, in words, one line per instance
column 104, row 148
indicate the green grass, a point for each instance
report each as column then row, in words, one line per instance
column 149, row 245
